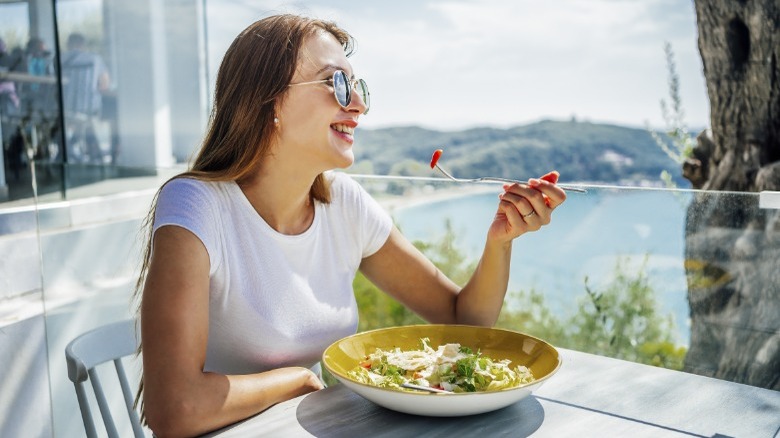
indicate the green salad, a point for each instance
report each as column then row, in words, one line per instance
column 450, row 367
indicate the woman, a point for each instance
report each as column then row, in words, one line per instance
column 255, row 248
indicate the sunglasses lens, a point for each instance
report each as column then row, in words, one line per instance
column 362, row 88
column 341, row 88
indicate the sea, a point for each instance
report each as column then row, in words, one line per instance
column 587, row 237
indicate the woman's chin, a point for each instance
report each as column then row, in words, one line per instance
column 345, row 164
column 345, row 159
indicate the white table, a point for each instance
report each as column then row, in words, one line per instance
column 589, row 396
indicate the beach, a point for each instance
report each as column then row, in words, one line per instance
column 428, row 194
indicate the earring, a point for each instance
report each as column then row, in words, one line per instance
column 276, row 120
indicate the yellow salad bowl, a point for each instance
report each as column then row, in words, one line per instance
column 540, row 357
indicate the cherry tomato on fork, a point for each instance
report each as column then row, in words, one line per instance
column 435, row 158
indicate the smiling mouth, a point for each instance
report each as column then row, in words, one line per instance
column 343, row 128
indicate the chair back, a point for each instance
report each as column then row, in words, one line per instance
column 111, row 342
column 80, row 93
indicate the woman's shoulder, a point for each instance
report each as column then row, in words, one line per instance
column 189, row 183
column 189, row 188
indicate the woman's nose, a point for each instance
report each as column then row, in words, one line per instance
column 357, row 104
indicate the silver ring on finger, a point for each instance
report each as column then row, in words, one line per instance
column 533, row 212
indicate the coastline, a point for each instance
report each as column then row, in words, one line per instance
column 429, row 194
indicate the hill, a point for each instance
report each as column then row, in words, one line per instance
column 580, row 151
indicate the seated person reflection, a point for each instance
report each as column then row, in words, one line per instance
column 37, row 98
column 9, row 108
column 29, row 107
column 38, row 59
column 9, row 100
column 85, row 79
column 247, row 275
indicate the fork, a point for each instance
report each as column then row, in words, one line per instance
column 504, row 180
column 425, row 388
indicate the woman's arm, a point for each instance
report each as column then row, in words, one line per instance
column 402, row 271
column 180, row 399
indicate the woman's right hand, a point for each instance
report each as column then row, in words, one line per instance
column 313, row 383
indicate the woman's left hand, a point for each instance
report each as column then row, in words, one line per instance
column 525, row 207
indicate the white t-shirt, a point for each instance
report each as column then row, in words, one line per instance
column 276, row 300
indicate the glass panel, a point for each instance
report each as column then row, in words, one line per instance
column 134, row 107
column 89, row 94
column 86, row 83
column 91, row 248
column 124, row 116
column 24, row 376
column 29, row 116
column 675, row 278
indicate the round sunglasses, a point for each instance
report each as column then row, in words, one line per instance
column 343, row 87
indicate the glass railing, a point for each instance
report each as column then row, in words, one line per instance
column 682, row 279
column 91, row 246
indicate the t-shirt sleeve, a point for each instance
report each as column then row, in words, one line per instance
column 372, row 221
column 189, row 204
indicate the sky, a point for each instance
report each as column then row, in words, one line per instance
column 458, row 64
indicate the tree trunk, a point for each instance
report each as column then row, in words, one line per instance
column 732, row 246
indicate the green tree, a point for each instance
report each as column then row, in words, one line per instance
column 620, row 319
column 377, row 309
column 528, row 312
column 680, row 143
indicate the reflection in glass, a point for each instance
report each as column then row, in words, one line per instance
column 84, row 79
column 732, row 248
column 29, row 106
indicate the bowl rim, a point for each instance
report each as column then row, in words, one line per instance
column 340, row 376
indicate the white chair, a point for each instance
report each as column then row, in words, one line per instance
column 111, row 342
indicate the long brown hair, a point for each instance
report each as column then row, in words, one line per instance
column 252, row 79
